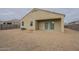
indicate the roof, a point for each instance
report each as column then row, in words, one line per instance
column 48, row 11
column 35, row 9
column 15, row 20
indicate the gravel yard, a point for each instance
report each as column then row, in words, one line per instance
column 18, row 40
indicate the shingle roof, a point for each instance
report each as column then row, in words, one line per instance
column 48, row 11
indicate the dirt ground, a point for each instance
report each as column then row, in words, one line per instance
column 18, row 40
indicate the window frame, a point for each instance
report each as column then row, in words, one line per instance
column 22, row 23
column 31, row 23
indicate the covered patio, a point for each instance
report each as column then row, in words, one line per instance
column 48, row 24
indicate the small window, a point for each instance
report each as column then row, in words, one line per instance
column 31, row 24
column 9, row 23
column 22, row 23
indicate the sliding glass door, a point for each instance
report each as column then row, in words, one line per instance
column 49, row 25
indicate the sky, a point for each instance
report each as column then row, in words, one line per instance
column 71, row 14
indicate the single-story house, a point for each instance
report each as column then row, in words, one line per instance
column 38, row 19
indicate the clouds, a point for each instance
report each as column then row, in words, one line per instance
column 7, row 13
column 12, row 13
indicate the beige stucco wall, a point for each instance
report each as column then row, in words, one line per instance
column 57, row 25
column 39, row 15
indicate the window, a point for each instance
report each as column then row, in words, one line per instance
column 22, row 23
column 31, row 24
column 9, row 23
